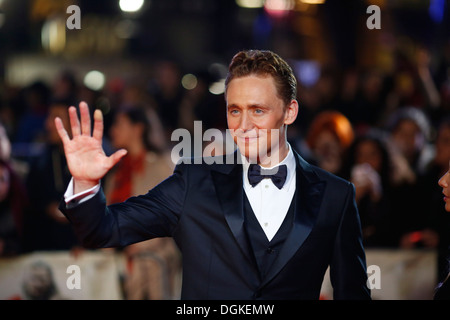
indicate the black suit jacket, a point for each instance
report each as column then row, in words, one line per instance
column 201, row 207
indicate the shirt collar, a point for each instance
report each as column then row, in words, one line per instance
column 289, row 161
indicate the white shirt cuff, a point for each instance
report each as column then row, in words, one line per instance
column 81, row 197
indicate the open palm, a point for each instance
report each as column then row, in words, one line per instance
column 85, row 156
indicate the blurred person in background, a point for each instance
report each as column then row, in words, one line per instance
column 362, row 97
column 328, row 137
column 134, row 94
column 444, row 90
column 327, row 87
column 406, row 86
column 153, row 266
column 13, row 198
column 430, row 92
column 443, row 289
column 434, row 232
column 65, row 86
column 368, row 165
column 30, row 125
column 13, row 203
column 199, row 104
column 167, row 92
column 39, row 283
column 5, row 144
column 410, row 134
column 18, row 165
column 46, row 228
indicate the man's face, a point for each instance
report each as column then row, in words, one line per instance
column 257, row 117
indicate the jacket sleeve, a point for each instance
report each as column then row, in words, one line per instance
column 139, row 218
column 348, row 273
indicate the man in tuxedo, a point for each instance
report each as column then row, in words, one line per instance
column 260, row 223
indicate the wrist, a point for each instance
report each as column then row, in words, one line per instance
column 83, row 185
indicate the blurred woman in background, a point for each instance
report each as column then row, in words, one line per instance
column 369, row 167
column 328, row 138
column 443, row 290
column 153, row 266
column 13, row 201
column 437, row 218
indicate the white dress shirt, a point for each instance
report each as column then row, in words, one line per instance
column 80, row 197
column 269, row 203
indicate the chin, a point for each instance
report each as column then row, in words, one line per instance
column 250, row 151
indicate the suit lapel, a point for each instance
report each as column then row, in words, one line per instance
column 308, row 198
column 229, row 187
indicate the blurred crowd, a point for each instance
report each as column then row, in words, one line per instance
column 389, row 134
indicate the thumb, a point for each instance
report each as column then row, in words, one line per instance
column 116, row 156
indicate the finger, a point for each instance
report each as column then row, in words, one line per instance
column 61, row 131
column 116, row 156
column 85, row 119
column 74, row 122
column 98, row 125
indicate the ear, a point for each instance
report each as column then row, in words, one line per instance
column 291, row 112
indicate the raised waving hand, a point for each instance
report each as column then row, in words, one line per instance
column 85, row 156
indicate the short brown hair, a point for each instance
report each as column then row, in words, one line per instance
column 264, row 63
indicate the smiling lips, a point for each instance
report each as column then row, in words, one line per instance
column 248, row 139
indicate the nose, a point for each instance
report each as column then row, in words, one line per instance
column 246, row 123
column 443, row 181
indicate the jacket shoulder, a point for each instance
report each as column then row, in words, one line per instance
column 326, row 175
column 323, row 175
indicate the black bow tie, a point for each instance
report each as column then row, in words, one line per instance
column 277, row 174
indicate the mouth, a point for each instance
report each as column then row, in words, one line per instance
column 446, row 198
column 247, row 139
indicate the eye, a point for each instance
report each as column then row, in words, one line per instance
column 259, row 111
column 234, row 111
